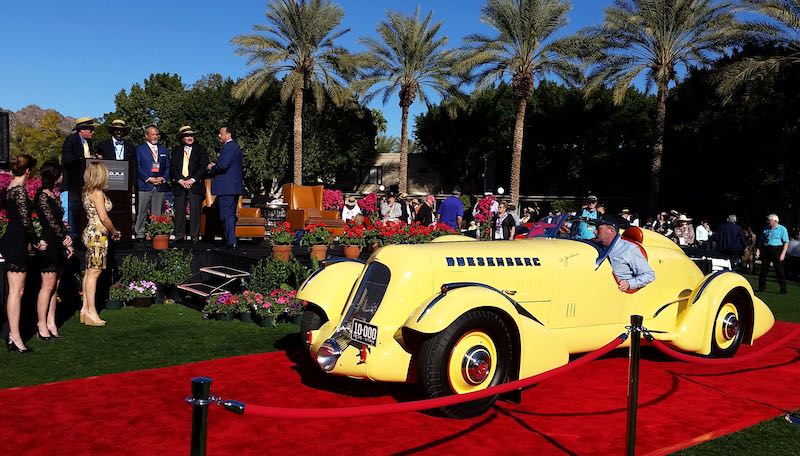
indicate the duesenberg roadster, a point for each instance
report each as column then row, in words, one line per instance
column 459, row 315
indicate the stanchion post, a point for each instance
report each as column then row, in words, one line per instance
column 633, row 382
column 201, row 390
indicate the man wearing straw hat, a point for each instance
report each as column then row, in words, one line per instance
column 187, row 174
column 76, row 148
column 117, row 148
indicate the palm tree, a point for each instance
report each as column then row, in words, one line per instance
column 408, row 58
column 655, row 38
column 298, row 45
column 523, row 50
column 783, row 32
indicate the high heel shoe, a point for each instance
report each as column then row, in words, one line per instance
column 93, row 321
column 41, row 337
column 12, row 346
column 54, row 334
column 82, row 316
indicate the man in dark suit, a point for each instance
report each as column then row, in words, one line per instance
column 76, row 149
column 187, row 173
column 227, row 183
column 152, row 169
column 117, row 148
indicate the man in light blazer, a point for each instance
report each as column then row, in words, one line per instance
column 188, row 165
column 227, row 183
column 152, row 170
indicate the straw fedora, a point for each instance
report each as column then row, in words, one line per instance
column 186, row 130
column 351, row 200
column 85, row 123
column 118, row 124
column 683, row 218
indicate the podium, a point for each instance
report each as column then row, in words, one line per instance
column 121, row 185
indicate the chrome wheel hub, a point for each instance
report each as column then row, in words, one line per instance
column 730, row 326
column 477, row 365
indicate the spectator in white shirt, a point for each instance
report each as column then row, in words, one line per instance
column 702, row 234
column 350, row 209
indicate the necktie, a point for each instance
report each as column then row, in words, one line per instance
column 187, row 152
column 85, row 148
column 154, row 151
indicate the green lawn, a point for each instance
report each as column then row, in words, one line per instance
column 137, row 338
column 166, row 335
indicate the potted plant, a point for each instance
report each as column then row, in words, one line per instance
column 249, row 302
column 142, row 292
column 353, row 240
column 159, row 228
column 318, row 238
column 118, row 295
column 281, row 238
column 265, row 313
column 174, row 266
column 221, row 307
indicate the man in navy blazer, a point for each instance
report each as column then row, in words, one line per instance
column 152, row 171
column 227, row 183
column 76, row 149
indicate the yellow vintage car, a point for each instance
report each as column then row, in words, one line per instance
column 459, row 315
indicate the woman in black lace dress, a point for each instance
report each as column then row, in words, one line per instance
column 20, row 233
column 52, row 258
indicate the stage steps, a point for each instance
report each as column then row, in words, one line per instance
column 217, row 280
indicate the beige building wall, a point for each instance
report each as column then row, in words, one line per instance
column 422, row 178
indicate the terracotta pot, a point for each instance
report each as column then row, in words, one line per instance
column 282, row 252
column 160, row 241
column 352, row 251
column 319, row 252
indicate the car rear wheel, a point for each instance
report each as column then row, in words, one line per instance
column 728, row 329
column 471, row 354
column 311, row 320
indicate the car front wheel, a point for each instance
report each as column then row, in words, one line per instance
column 471, row 354
column 311, row 320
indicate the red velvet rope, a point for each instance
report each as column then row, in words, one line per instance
column 427, row 404
column 680, row 356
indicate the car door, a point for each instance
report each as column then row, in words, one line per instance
column 584, row 293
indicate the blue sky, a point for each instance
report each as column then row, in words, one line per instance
column 73, row 56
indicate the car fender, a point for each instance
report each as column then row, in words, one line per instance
column 695, row 322
column 323, row 288
column 539, row 350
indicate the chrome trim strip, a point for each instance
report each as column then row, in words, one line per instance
column 455, row 285
column 705, row 284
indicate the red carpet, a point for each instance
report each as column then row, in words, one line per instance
column 580, row 412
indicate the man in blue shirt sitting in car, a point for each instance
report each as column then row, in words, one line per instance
column 631, row 269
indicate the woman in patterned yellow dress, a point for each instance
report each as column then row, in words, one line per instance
column 95, row 237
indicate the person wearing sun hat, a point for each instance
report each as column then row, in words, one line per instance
column 187, row 173
column 116, row 148
column 350, row 209
column 683, row 233
column 76, row 148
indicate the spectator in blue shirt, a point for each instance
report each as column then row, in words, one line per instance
column 451, row 211
column 772, row 247
column 630, row 267
column 585, row 230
